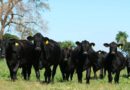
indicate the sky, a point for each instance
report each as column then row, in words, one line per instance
column 97, row 21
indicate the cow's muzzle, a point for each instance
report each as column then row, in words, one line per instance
column 85, row 52
column 38, row 48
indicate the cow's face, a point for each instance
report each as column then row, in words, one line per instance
column 2, row 48
column 15, row 47
column 85, row 46
column 3, row 45
column 67, row 54
column 37, row 40
column 113, row 47
column 101, row 53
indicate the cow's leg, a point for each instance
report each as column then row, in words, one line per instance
column 62, row 72
column 88, row 72
column 110, row 76
column 95, row 75
column 67, row 75
column 101, row 73
column 37, row 72
column 12, row 73
column 79, row 74
column 54, row 72
column 104, row 71
column 47, row 75
column 28, row 71
column 117, row 77
column 128, row 71
column 24, row 71
column 71, row 74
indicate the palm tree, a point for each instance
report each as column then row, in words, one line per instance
column 121, row 37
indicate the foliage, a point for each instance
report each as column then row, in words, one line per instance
column 66, row 44
column 121, row 37
column 22, row 14
column 126, row 48
column 10, row 36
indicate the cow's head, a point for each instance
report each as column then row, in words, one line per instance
column 15, row 47
column 85, row 46
column 101, row 55
column 113, row 47
column 3, row 45
column 67, row 53
column 38, row 40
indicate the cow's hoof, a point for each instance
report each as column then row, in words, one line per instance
column 87, row 82
column 80, row 81
column 101, row 76
column 43, row 82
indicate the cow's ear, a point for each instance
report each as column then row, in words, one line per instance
column 119, row 45
column 46, row 41
column 106, row 44
column 77, row 43
column 92, row 44
column 30, row 38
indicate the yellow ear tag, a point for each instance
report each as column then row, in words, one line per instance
column 120, row 46
column 47, row 42
column 16, row 44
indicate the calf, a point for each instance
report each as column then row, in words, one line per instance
column 66, row 65
column 49, row 54
column 101, row 60
column 114, row 61
column 20, row 53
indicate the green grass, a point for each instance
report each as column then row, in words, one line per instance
column 33, row 84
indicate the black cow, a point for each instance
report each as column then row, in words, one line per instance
column 66, row 65
column 101, row 60
column 128, row 66
column 2, row 47
column 49, row 54
column 21, row 53
column 114, row 61
column 83, row 58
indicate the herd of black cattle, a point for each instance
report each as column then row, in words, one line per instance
column 41, row 52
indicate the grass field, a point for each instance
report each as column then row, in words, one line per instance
column 32, row 84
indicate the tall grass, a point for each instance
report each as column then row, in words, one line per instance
column 33, row 84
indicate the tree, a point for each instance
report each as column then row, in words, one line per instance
column 121, row 37
column 29, row 11
column 10, row 36
column 127, row 48
column 67, row 44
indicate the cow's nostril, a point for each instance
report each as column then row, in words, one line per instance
column 65, row 59
column 85, row 53
column 113, row 52
column 38, row 48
